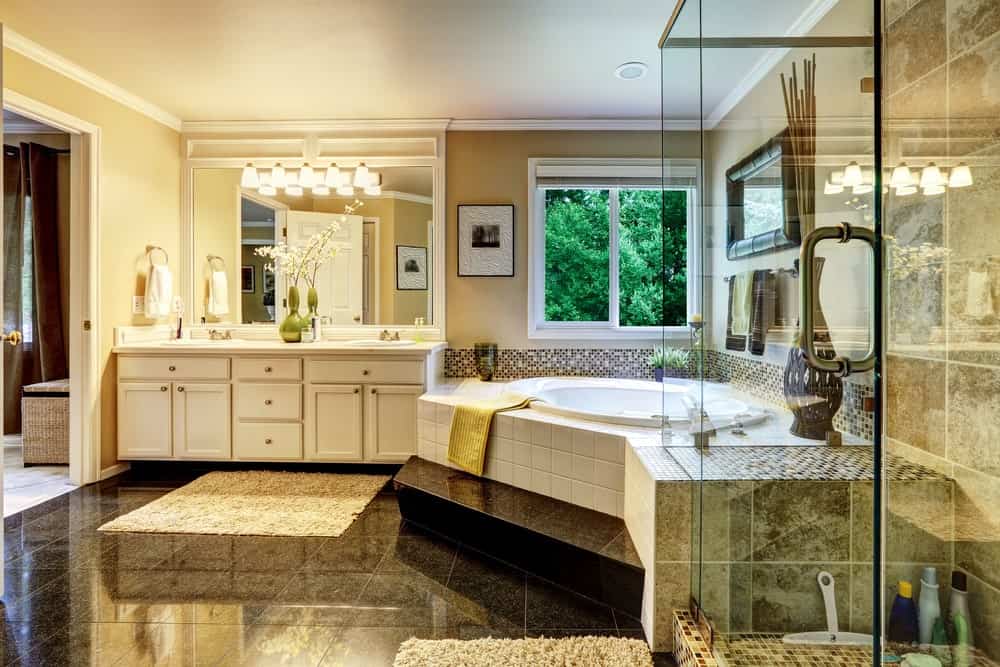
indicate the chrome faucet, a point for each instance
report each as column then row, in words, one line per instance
column 386, row 336
column 215, row 334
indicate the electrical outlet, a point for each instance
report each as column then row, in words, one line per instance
column 138, row 305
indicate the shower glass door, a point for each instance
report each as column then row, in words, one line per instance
column 776, row 434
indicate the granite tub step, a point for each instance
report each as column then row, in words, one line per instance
column 585, row 551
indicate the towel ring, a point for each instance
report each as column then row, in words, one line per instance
column 152, row 249
column 216, row 258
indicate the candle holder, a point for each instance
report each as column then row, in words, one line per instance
column 486, row 360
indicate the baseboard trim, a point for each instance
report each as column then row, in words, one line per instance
column 111, row 471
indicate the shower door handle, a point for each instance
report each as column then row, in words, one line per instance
column 842, row 366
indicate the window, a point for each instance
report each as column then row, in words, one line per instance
column 611, row 248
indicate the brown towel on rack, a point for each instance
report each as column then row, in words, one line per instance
column 733, row 342
column 762, row 312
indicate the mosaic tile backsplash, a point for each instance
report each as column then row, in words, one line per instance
column 758, row 378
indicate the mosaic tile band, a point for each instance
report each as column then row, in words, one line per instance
column 761, row 379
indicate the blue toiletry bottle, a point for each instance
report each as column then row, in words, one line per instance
column 903, row 616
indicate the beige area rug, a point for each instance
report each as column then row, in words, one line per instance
column 292, row 504
column 569, row 652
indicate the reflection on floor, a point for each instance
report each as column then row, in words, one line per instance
column 25, row 487
column 76, row 595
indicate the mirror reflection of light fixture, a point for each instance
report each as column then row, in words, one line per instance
column 901, row 176
column 293, row 190
column 867, row 183
column 291, row 178
column 930, row 176
column 831, row 188
column 249, row 178
column 961, row 176
column 374, row 187
column 320, row 189
column 265, row 188
column 906, row 190
column 852, row 175
column 344, row 187
column 332, row 179
column 307, row 177
column 361, row 176
column 932, row 190
column 278, row 176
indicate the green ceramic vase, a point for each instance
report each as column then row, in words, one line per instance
column 312, row 303
column 291, row 328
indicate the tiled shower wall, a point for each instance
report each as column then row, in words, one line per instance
column 943, row 368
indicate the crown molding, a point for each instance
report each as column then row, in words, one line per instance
column 314, row 126
column 33, row 51
column 806, row 21
column 573, row 124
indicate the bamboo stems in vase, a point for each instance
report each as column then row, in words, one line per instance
column 800, row 108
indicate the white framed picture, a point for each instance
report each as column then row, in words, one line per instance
column 486, row 240
column 411, row 267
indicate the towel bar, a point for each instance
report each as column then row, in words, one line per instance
column 150, row 249
column 222, row 262
column 793, row 272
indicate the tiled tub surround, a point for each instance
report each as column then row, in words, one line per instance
column 942, row 377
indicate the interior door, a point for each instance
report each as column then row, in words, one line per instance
column 340, row 283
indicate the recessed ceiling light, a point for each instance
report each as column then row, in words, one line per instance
column 631, row 70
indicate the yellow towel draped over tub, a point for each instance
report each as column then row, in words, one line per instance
column 470, row 429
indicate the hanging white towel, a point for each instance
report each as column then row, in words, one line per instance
column 742, row 303
column 159, row 291
column 979, row 295
column 218, row 294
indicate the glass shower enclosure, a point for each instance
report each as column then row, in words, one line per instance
column 780, row 447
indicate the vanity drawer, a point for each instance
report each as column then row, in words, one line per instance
column 249, row 368
column 269, row 401
column 391, row 371
column 179, row 368
column 262, row 440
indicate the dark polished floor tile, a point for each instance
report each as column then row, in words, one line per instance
column 471, row 563
column 349, row 553
column 485, row 600
column 321, row 588
column 551, row 607
column 425, row 554
column 262, row 644
column 564, row 633
column 370, row 647
column 20, row 582
column 243, row 553
column 405, row 600
column 625, row 622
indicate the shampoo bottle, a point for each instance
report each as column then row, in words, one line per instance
column 928, row 606
column 903, row 616
column 960, row 606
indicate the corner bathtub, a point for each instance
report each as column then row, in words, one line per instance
column 638, row 402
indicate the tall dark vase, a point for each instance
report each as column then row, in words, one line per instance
column 813, row 396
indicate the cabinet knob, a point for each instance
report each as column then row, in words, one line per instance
column 267, row 441
column 373, row 391
column 267, row 401
column 356, row 390
column 163, row 388
column 180, row 388
column 172, row 368
column 364, row 372
column 267, row 369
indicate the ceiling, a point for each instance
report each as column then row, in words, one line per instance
column 14, row 123
column 374, row 59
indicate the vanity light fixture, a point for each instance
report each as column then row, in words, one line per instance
column 361, row 176
column 961, row 176
column 265, row 188
column 831, row 188
column 932, row 190
column 852, row 175
column 867, row 183
column 332, row 179
column 320, row 189
column 374, row 187
column 291, row 178
column 901, row 176
column 906, row 190
column 249, row 178
column 278, row 176
column 930, row 177
column 307, row 177
column 344, row 188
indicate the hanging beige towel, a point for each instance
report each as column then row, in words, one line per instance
column 218, row 294
column 979, row 295
column 159, row 291
column 470, row 429
column 742, row 304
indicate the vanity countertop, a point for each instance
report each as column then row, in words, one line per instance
column 243, row 346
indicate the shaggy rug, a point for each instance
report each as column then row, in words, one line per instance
column 569, row 652
column 292, row 504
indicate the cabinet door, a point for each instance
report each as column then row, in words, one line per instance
column 391, row 422
column 144, row 420
column 333, row 422
column 202, row 421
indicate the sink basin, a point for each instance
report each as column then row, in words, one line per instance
column 200, row 341
column 374, row 342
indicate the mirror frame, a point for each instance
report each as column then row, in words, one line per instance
column 737, row 245
column 378, row 145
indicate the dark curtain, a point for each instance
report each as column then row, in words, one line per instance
column 30, row 174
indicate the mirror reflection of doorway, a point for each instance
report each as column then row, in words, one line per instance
column 370, row 269
column 258, row 228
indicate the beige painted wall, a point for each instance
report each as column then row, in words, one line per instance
column 492, row 167
column 139, row 201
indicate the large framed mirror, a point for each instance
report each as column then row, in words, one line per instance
column 762, row 215
column 368, row 281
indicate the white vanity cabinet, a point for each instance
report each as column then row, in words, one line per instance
column 245, row 404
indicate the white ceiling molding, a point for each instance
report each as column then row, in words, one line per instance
column 571, row 124
column 28, row 127
column 20, row 44
column 313, row 126
column 386, row 194
column 806, row 22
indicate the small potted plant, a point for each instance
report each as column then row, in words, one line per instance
column 671, row 362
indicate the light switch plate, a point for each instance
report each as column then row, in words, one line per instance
column 138, row 305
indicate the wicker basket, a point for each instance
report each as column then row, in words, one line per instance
column 45, row 423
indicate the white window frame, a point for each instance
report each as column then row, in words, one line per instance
column 538, row 327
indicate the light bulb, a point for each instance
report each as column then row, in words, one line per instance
column 832, row 188
column 293, row 190
column 905, row 190
column 932, row 190
column 930, row 176
column 291, row 178
column 278, row 176
column 901, row 176
column 852, row 175
column 361, row 176
column 307, row 177
column 249, row 179
column 320, row 190
column 961, row 176
column 332, row 179
column 837, row 177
